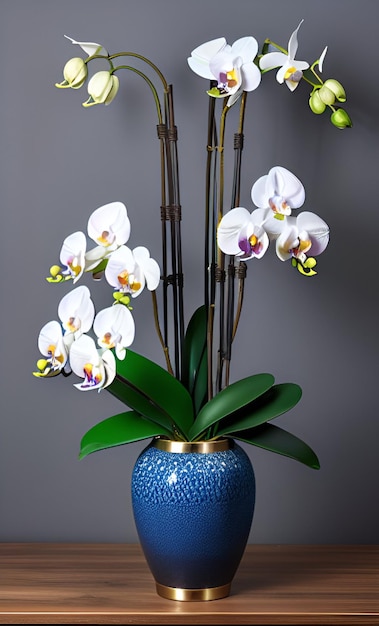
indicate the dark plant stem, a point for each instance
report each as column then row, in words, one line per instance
column 230, row 326
column 172, row 266
column 210, row 237
column 171, row 234
column 220, row 273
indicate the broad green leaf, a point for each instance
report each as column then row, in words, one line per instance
column 229, row 400
column 118, row 430
column 141, row 404
column 277, row 400
column 275, row 439
column 194, row 348
column 149, row 387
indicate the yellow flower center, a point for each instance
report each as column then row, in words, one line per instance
column 106, row 238
column 232, row 78
column 125, row 280
column 291, row 70
column 107, row 339
column 75, row 266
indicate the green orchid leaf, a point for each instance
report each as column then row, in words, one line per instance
column 275, row 439
column 276, row 401
column 140, row 403
column 118, row 430
column 229, row 400
column 194, row 348
column 152, row 391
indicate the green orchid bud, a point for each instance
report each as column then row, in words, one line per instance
column 315, row 103
column 41, row 364
column 75, row 74
column 326, row 95
column 55, row 270
column 336, row 88
column 124, row 300
column 102, row 88
column 340, row 119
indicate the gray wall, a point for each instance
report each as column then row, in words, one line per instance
column 60, row 161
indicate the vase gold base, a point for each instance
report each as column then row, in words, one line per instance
column 193, row 595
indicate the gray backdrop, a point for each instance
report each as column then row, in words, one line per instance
column 60, row 161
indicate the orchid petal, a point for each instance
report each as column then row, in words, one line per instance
column 149, row 267
column 110, row 366
column 249, row 250
column 51, row 345
column 281, row 73
column 87, row 363
column 72, row 254
column 292, row 44
column 288, row 185
column 272, row 59
column 251, row 76
column 222, row 62
column 234, row 97
column 200, row 57
column 76, row 310
column 322, row 57
column 229, row 229
column 109, row 225
column 265, row 218
column 114, row 327
column 89, row 48
column 317, row 229
column 94, row 257
column 278, row 182
column 287, row 240
column 123, row 273
column 246, row 48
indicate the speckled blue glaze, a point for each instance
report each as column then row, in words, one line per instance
column 193, row 513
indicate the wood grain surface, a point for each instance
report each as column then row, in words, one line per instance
column 60, row 583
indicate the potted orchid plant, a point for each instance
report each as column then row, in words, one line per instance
column 192, row 398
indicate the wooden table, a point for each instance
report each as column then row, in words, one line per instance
column 68, row 583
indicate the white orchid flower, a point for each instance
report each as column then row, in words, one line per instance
column 305, row 233
column 52, row 347
column 102, row 88
column 290, row 70
column 98, row 368
column 76, row 311
column 232, row 66
column 279, row 192
column 115, row 328
column 89, row 47
column 238, row 234
column 108, row 226
column 128, row 271
column 72, row 255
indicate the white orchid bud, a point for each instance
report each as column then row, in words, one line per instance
column 75, row 74
column 102, row 88
column 336, row 87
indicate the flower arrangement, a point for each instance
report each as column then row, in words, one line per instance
column 192, row 399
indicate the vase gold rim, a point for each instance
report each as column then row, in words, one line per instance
column 193, row 595
column 201, row 447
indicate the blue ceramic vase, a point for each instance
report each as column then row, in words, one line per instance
column 193, row 506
